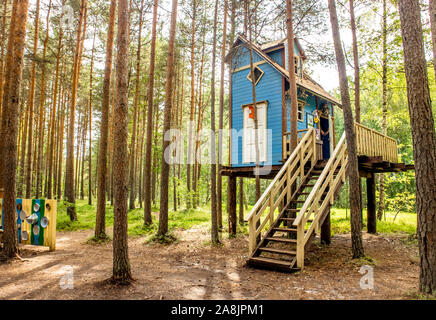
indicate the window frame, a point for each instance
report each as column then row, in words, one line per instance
column 301, row 104
column 260, row 77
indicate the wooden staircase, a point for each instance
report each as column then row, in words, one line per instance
column 303, row 191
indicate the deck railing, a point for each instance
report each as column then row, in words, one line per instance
column 292, row 173
column 369, row 143
column 375, row 144
column 287, row 144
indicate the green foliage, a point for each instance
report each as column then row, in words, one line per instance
column 394, row 222
column 85, row 215
column 86, row 219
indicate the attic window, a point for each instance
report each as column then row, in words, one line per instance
column 258, row 73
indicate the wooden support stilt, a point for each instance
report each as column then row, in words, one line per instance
column 326, row 235
column 371, row 205
column 232, row 205
column 241, row 200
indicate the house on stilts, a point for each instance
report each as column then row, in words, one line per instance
column 305, row 181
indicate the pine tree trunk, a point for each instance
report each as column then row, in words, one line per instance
column 165, row 168
column 381, row 205
column 90, row 123
column 292, row 76
column 232, row 220
column 3, row 37
column 199, row 119
column 42, row 111
column 214, row 227
column 424, row 140
column 52, row 146
column 432, row 12
column 221, row 117
column 30, row 105
column 121, row 264
column 69, row 177
column 191, row 117
column 356, row 64
column 100, row 223
column 10, row 106
column 149, row 144
column 23, row 154
column 353, row 172
column 132, row 182
column 241, row 200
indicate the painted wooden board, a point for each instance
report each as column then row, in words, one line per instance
column 36, row 234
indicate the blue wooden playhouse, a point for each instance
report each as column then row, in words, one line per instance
column 272, row 102
column 296, row 205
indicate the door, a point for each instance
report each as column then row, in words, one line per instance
column 248, row 148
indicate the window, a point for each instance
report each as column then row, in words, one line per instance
column 300, row 111
column 258, row 73
column 298, row 66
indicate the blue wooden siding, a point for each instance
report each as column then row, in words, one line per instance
column 276, row 56
column 241, row 58
column 269, row 88
column 309, row 108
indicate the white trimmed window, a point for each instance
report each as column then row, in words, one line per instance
column 300, row 111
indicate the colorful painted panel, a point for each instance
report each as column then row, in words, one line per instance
column 36, row 222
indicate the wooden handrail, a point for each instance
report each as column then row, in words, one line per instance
column 280, row 187
column 320, row 180
column 282, row 170
column 312, row 204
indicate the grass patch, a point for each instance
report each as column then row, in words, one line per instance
column 186, row 219
column 99, row 240
column 166, row 239
column 183, row 219
column 404, row 223
column 364, row 261
column 420, row 296
column 85, row 216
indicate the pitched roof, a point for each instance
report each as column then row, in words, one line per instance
column 278, row 43
column 305, row 82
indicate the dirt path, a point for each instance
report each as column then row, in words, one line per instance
column 192, row 269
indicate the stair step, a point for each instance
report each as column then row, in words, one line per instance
column 293, row 210
column 308, row 185
column 293, row 219
column 285, row 240
column 298, row 201
column 287, row 219
column 279, row 251
column 285, row 229
column 271, row 263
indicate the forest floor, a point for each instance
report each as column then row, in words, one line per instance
column 191, row 268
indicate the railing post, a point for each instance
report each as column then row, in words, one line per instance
column 271, row 208
column 252, row 235
column 300, row 246
column 301, row 165
column 313, row 148
column 284, row 147
column 288, row 186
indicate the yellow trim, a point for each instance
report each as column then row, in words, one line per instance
column 248, row 66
